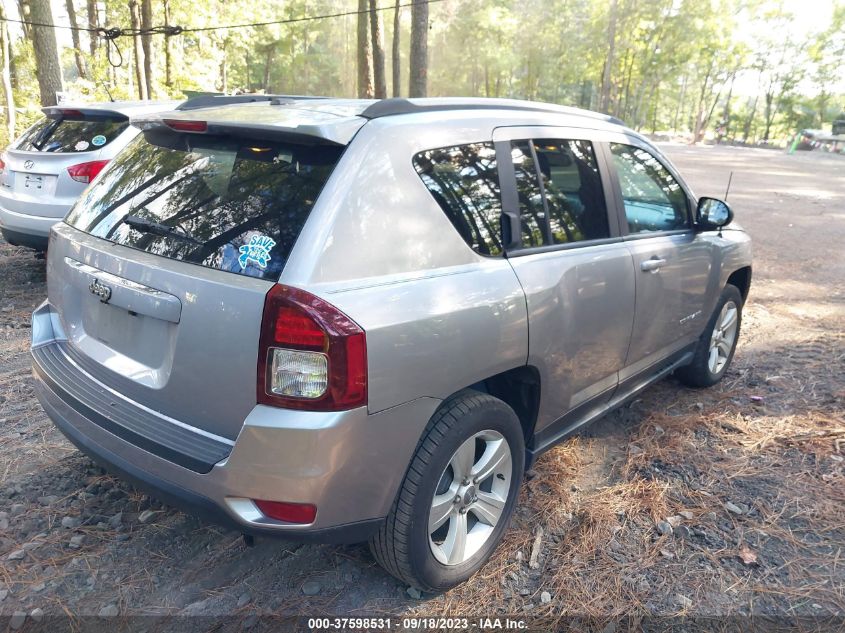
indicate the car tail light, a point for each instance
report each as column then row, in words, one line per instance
column 303, row 513
column 311, row 356
column 2, row 165
column 86, row 172
column 186, row 126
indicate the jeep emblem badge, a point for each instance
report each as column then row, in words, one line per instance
column 100, row 289
column 28, row 164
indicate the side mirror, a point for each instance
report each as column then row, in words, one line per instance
column 713, row 213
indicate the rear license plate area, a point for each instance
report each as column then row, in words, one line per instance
column 35, row 184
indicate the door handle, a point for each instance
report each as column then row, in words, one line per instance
column 652, row 265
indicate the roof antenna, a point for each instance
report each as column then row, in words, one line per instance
column 727, row 191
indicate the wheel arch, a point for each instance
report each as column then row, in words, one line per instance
column 519, row 388
column 741, row 278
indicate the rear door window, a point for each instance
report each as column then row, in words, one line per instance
column 532, row 207
column 464, row 181
column 68, row 135
column 561, row 198
column 572, row 184
column 234, row 205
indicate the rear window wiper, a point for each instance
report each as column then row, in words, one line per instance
column 157, row 228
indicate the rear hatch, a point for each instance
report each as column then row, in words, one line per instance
column 51, row 163
column 160, row 278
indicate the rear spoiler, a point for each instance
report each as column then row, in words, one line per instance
column 81, row 113
column 213, row 101
column 336, row 131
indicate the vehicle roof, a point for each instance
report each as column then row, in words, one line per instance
column 337, row 120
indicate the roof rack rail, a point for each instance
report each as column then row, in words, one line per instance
column 211, row 101
column 397, row 106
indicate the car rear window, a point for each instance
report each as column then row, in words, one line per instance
column 231, row 204
column 67, row 135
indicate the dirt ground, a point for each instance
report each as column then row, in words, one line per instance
column 727, row 501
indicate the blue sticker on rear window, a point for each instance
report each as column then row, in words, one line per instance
column 98, row 140
column 257, row 250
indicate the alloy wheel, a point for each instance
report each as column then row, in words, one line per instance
column 470, row 497
column 723, row 337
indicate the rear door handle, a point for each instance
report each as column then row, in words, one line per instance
column 652, row 265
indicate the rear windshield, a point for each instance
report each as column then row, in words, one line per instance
column 68, row 135
column 233, row 205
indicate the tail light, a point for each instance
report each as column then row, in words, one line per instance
column 311, row 356
column 302, row 513
column 86, row 172
column 2, row 165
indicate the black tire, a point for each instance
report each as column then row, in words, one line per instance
column 402, row 545
column 698, row 373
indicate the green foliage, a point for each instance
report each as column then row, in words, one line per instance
column 686, row 66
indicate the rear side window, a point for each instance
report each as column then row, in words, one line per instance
column 560, row 192
column 532, row 208
column 233, row 205
column 572, row 184
column 654, row 200
column 464, row 180
column 67, row 135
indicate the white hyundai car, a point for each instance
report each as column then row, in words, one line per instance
column 47, row 168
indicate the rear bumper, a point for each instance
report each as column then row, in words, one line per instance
column 16, row 238
column 24, row 229
column 349, row 464
column 186, row 499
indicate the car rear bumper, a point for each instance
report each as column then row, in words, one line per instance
column 15, row 238
column 26, row 230
column 349, row 464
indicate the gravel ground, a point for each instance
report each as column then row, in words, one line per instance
column 721, row 502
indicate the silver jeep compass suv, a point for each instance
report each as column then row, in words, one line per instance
column 344, row 320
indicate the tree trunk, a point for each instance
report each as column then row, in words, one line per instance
column 24, row 13
column 268, row 59
column 47, row 64
column 654, row 112
column 698, row 129
column 397, row 58
column 622, row 106
column 136, row 49
column 74, row 34
column 365, row 71
column 168, row 64
column 680, row 104
column 726, row 112
column 93, row 23
column 746, row 128
column 607, row 74
column 418, row 80
column 769, row 115
column 486, row 77
column 377, row 33
column 147, row 44
column 224, row 69
column 5, row 50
